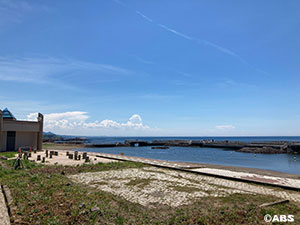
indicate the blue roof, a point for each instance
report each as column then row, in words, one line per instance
column 7, row 114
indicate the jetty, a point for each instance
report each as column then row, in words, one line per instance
column 264, row 147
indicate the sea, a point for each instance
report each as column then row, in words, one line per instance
column 287, row 163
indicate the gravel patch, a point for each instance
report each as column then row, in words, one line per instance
column 151, row 186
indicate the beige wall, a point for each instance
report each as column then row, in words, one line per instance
column 21, row 126
column 23, row 139
column 27, row 133
column 26, row 139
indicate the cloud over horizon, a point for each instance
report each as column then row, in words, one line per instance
column 72, row 122
column 225, row 127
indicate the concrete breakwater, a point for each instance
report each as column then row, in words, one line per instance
column 265, row 148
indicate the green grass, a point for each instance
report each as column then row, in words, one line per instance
column 45, row 146
column 8, row 154
column 43, row 195
column 139, row 182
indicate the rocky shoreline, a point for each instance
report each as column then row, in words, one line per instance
column 265, row 150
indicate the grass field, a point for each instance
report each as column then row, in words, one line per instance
column 45, row 195
column 8, row 154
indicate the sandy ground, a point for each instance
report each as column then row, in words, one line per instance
column 151, row 185
column 62, row 158
column 251, row 176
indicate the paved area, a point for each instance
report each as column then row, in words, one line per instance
column 250, row 176
column 4, row 217
column 263, row 179
column 151, row 185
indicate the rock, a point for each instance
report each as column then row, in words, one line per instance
column 83, row 212
column 95, row 209
column 82, row 205
column 263, row 150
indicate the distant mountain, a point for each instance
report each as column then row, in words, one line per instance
column 49, row 133
column 49, row 136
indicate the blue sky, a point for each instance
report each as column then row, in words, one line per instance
column 121, row 67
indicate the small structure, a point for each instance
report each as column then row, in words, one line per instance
column 16, row 134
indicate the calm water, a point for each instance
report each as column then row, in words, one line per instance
column 99, row 140
column 277, row 162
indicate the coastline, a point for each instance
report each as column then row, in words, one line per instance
column 273, row 147
column 148, row 184
column 66, row 147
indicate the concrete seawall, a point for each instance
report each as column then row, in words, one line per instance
column 266, row 148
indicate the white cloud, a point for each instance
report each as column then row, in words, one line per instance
column 144, row 60
column 52, row 70
column 176, row 32
column 75, row 122
column 16, row 11
column 144, row 16
column 194, row 39
column 13, row 11
column 225, row 127
column 135, row 119
column 190, row 38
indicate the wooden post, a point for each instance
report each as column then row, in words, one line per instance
column 1, row 128
column 40, row 133
column 25, row 155
column 76, row 155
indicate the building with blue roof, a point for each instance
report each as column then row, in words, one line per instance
column 15, row 134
